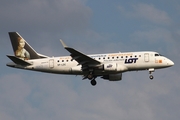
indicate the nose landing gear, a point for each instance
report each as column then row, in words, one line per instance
column 151, row 77
column 150, row 72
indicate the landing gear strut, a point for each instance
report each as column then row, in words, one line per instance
column 150, row 72
column 91, row 77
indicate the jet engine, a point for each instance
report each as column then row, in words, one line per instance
column 113, row 77
column 114, row 67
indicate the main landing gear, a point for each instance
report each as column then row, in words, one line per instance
column 91, row 77
column 93, row 82
column 150, row 73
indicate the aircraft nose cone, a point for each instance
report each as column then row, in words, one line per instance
column 170, row 63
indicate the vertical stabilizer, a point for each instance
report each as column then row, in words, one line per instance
column 21, row 48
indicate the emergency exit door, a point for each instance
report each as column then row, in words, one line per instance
column 146, row 57
column 51, row 63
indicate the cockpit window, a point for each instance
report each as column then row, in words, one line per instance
column 156, row 54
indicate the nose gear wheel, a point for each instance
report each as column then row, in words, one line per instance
column 151, row 77
column 150, row 73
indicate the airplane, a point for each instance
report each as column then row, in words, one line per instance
column 108, row 66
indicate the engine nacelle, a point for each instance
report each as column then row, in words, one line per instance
column 113, row 77
column 110, row 67
column 114, row 67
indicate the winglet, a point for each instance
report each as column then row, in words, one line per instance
column 64, row 45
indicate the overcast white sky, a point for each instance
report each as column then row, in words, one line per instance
column 91, row 26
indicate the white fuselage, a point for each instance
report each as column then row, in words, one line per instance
column 108, row 66
column 112, row 63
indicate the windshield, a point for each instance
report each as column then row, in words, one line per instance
column 157, row 54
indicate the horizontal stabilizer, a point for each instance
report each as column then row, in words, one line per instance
column 18, row 61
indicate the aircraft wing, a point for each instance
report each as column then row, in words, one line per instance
column 81, row 58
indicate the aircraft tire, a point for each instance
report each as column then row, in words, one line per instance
column 151, row 77
column 93, row 82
